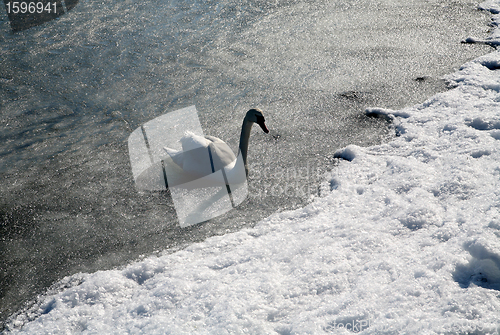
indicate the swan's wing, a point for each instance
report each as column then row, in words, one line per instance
column 191, row 141
column 176, row 156
column 222, row 155
column 214, row 139
column 188, row 158
column 183, row 167
column 196, row 159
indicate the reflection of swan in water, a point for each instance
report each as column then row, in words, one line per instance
column 201, row 156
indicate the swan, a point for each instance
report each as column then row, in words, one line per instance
column 201, row 156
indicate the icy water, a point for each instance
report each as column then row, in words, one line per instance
column 72, row 90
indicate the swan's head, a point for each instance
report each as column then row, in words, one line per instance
column 255, row 115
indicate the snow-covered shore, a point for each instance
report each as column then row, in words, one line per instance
column 404, row 238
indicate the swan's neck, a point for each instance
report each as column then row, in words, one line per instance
column 245, row 136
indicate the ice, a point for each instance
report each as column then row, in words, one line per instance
column 404, row 238
column 387, row 113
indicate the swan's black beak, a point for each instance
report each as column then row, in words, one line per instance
column 262, row 124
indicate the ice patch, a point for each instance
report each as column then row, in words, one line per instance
column 480, row 124
column 348, row 153
column 419, row 218
column 491, row 64
column 483, row 268
column 386, row 113
column 495, row 134
column 480, row 153
column 140, row 272
column 450, row 127
column 490, row 5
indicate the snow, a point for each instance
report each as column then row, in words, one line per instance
column 404, row 238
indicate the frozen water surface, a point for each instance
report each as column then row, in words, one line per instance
column 393, row 220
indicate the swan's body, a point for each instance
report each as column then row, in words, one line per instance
column 202, row 156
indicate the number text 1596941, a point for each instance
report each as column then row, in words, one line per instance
column 30, row 7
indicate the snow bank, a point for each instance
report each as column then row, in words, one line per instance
column 405, row 237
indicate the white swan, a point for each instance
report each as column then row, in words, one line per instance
column 201, row 156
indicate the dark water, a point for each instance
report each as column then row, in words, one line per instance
column 72, row 90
